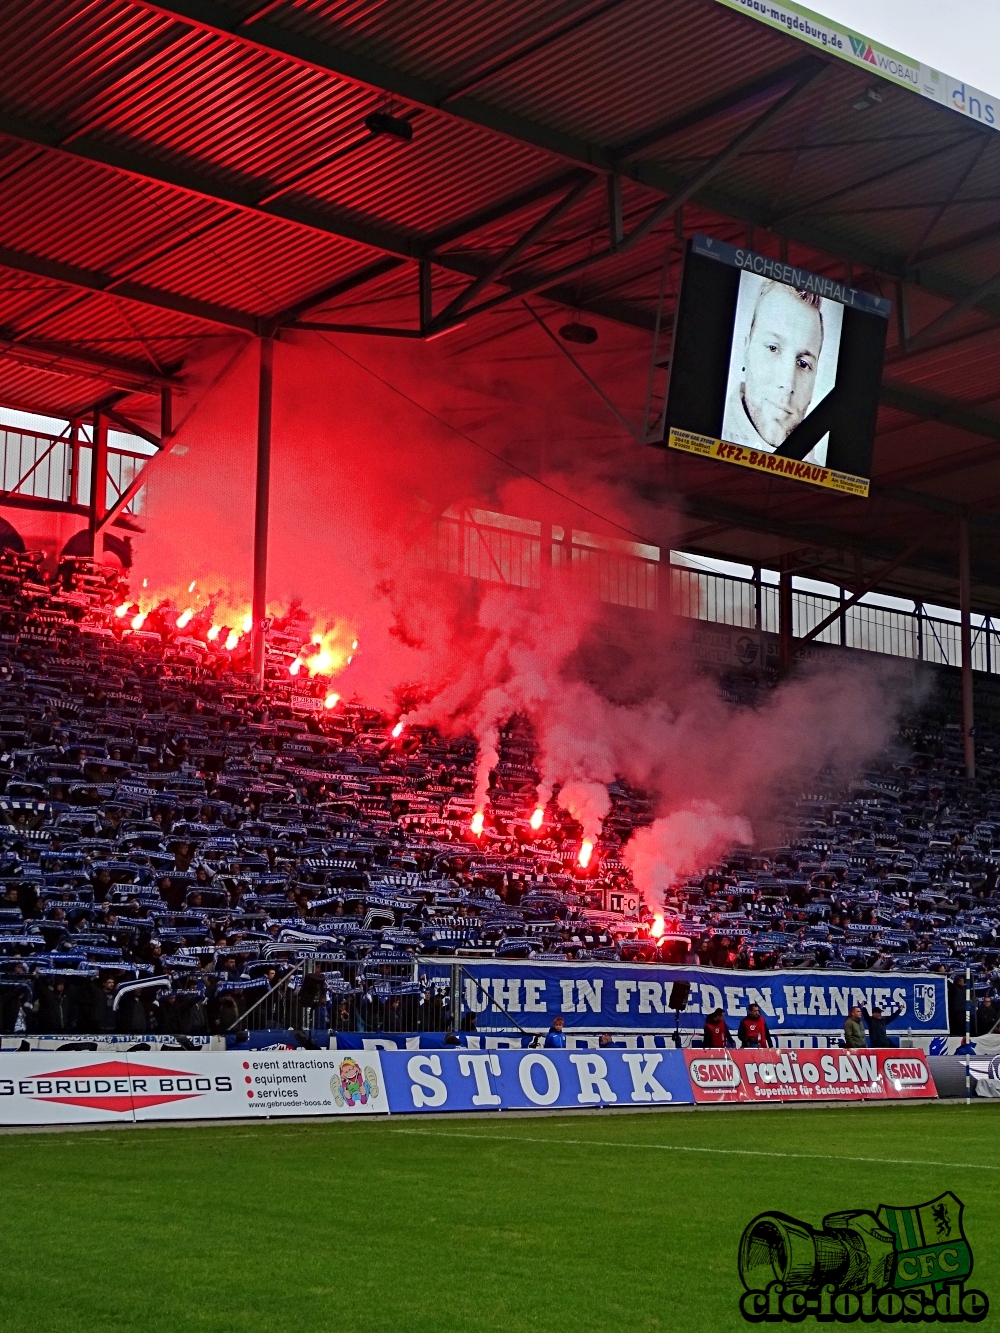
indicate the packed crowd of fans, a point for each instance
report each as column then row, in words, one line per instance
column 183, row 854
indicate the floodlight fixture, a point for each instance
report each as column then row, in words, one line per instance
column 398, row 127
column 578, row 333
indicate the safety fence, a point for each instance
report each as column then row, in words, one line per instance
column 500, row 548
column 331, row 994
column 505, row 549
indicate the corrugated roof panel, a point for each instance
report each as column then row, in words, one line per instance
column 448, row 170
column 248, row 115
column 105, row 322
column 57, row 57
column 43, row 391
column 92, row 216
column 27, row 299
column 61, row 209
column 445, row 40
column 629, row 70
column 225, row 115
column 255, row 263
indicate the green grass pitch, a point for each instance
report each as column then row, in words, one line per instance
column 561, row 1224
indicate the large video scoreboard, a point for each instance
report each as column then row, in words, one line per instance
column 775, row 368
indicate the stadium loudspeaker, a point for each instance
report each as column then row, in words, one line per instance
column 679, row 993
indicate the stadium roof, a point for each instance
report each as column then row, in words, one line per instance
column 179, row 172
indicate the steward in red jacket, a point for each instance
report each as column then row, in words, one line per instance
column 716, row 1033
column 753, row 1030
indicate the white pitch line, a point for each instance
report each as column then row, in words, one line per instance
column 679, row 1147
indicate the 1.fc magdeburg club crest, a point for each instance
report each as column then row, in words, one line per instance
column 924, row 1002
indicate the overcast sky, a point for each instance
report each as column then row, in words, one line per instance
column 958, row 37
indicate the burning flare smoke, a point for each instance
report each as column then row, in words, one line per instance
column 679, row 844
column 465, row 654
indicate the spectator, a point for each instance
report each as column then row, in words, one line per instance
column 104, row 1017
column 987, row 1016
column 313, row 997
column 228, row 1014
column 854, row 1032
column 25, row 1008
column 956, row 1007
column 132, row 1013
column 556, row 1037
column 192, row 1019
column 604, row 1040
column 141, row 851
column 753, row 1031
column 57, row 1013
column 716, row 1032
column 877, row 1025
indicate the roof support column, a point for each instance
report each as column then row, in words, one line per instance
column 74, row 462
column 965, row 606
column 785, row 619
column 98, row 477
column 262, row 503
column 166, row 413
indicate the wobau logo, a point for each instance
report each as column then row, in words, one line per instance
column 894, row 1265
column 114, row 1086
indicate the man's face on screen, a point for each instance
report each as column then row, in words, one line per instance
column 782, row 352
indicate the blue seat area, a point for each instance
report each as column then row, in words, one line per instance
column 288, row 867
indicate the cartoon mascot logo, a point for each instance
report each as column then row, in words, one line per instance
column 349, row 1085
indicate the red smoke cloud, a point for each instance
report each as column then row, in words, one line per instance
column 366, row 460
column 679, row 844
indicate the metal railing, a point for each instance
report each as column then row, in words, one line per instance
column 346, row 996
column 502, row 548
column 39, row 465
column 726, row 599
column 51, row 467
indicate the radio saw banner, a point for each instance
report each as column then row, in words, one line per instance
column 808, row 1076
column 626, row 998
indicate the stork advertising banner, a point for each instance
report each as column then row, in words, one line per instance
column 527, row 1080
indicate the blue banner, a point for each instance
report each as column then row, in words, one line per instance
column 636, row 997
column 475, row 1041
column 525, row 1080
